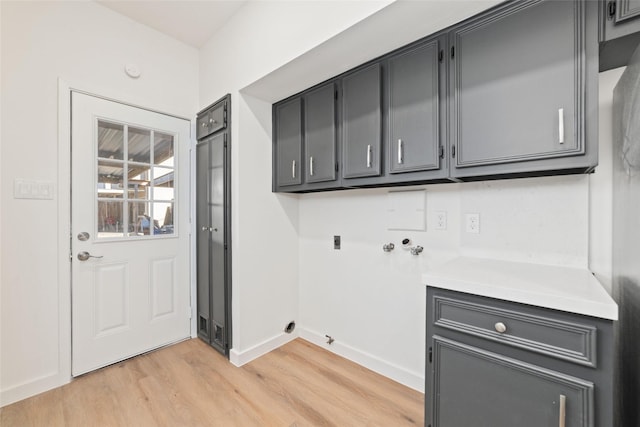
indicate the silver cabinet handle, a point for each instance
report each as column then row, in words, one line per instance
column 500, row 327
column 561, row 125
column 400, row 160
column 311, row 166
column 369, row 155
column 293, row 169
column 204, row 125
column 562, row 415
column 84, row 255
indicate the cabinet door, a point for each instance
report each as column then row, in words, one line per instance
column 413, row 82
column 203, row 240
column 288, row 143
column 362, row 142
column 320, row 134
column 474, row 387
column 517, row 86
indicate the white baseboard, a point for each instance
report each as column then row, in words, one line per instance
column 246, row 356
column 410, row 379
column 31, row 388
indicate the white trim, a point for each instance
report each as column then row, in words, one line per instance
column 401, row 375
column 246, row 356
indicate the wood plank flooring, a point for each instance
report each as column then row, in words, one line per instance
column 189, row 384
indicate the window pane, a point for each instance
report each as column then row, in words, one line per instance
column 139, row 145
column 138, row 182
column 163, row 149
column 163, row 215
column 140, row 218
column 110, row 219
column 110, row 140
column 110, row 179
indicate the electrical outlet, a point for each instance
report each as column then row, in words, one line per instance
column 473, row 223
column 440, row 220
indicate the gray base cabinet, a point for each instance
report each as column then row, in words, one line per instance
column 493, row 363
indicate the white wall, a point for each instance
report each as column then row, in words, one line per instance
column 270, row 50
column 600, row 202
column 87, row 46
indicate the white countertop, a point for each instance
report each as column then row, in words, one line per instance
column 569, row 289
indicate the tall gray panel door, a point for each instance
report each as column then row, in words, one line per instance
column 288, row 138
column 516, row 84
column 414, row 141
column 504, row 392
column 213, row 239
column 361, row 126
column 320, row 134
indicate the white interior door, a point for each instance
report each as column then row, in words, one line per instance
column 130, row 231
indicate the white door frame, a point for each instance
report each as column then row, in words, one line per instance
column 64, row 224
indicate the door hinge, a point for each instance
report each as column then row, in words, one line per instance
column 336, row 166
column 453, row 151
column 612, row 9
column 440, row 55
column 430, row 354
column 335, row 94
column 442, row 152
column 189, row 312
column 453, row 52
column 70, row 256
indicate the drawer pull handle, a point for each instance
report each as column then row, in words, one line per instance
column 562, row 416
column 500, row 327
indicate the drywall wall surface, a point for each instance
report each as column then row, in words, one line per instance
column 259, row 38
column 267, row 51
column 374, row 301
column 600, row 186
column 86, row 46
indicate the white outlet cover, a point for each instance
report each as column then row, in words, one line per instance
column 440, row 220
column 473, row 223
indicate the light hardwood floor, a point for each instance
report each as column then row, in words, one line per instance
column 189, row 384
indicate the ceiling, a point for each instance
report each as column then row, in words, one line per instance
column 190, row 21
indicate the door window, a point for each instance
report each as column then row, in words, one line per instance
column 140, row 202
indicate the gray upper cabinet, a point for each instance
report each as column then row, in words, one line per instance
column 619, row 32
column 320, row 138
column 620, row 18
column 287, row 144
column 519, row 90
column 414, row 132
column 361, row 123
column 213, row 120
column 510, row 92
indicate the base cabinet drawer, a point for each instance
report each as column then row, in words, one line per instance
column 504, row 392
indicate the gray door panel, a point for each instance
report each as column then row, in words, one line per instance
column 203, row 219
column 362, row 142
column 478, row 388
column 320, row 134
column 289, row 143
column 515, row 85
column 413, row 110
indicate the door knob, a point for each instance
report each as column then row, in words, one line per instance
column 84, row 255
